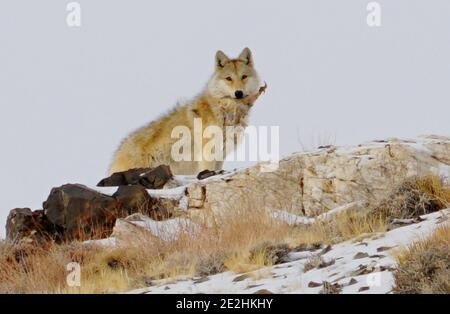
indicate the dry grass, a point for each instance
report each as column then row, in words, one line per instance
column 330, row 288
column 424, row 267
column 414, row 197
column 238, row 241
column 235, row 244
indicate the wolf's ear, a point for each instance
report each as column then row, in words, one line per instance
column 221, row 59
column 246, row 56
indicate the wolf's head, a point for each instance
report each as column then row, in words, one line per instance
column 234, row 78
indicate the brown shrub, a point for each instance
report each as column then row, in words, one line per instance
column 425, row 266
column 415, row 197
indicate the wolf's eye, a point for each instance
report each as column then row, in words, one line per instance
column 244, row 77
column 229, row 78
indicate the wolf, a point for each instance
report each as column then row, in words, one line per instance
column 226, row 101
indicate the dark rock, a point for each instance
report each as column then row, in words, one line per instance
column 253, row 286
column 23, row 225
column 352, row 282
column 384, row 248
column 200, row 280
column 132, row 199
column 81, row 213
column 124, row 177
column 326, row 249
column 207, row 173
column 135, row 198
column 74, row 211
column 313, row 284
column 156, row 178
column 241, row 277
column 360, row 255
column 150, row 178
column 325, row 264
column 363, row 289
column 263, row 291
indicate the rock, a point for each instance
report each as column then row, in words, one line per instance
column 325, row 264
column 196, row 194
column 207, row 173
column 132, row 198
column 311, row 183
column 404, row 222
column 263, row 291
column 74, row 211
column 156, row 178
column 150, row 178
column 139, row 226
column 352, row 282
column 131, row 176
column 135, row 198
column 363, row 289
column 81, row 213
column 126, row 230
column 25, row 226
column 360, row 255
column 384, row 248
column 200, row 280
column 305, row 184
column 362, row 270
column 326, row 250
column 313, row 284
column 253, row 286
column 241, row 277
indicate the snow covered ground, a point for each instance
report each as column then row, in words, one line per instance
column 358, row 266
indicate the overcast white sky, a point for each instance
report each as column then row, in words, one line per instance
column 68, row 95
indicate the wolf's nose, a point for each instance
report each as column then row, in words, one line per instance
column 239, row 94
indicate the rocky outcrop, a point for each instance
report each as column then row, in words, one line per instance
column 311, row 183
column 306, row 184
column 76, row 212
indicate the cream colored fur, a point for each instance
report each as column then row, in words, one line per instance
column 151, row 145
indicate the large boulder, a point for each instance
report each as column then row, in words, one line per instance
column 307, row 183
column 311, row 183
column 81, row 212
column 74, row 211
column 84, row 213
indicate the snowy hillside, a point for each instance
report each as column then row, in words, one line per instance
column 358, row 266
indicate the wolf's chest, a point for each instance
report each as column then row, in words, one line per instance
column 236, row 115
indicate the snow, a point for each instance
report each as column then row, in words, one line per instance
column 376, row 252
column 292, row 219
column 173, row 193
column 167, row 230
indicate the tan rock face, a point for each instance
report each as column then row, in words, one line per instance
column 315, row 182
